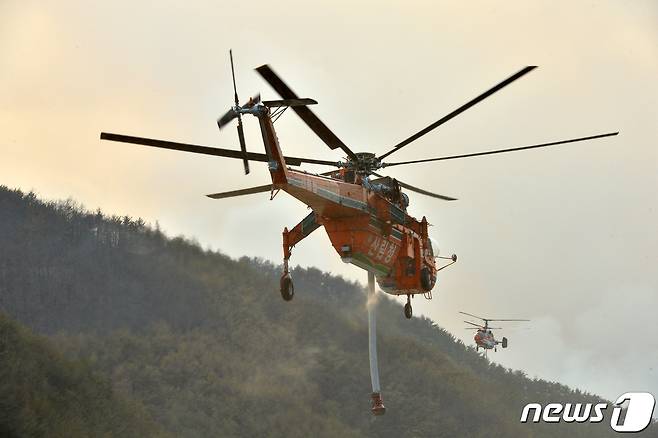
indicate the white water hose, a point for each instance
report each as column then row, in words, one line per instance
column 377, row 403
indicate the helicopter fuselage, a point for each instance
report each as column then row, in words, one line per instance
column 485, row 339
column 368, row 230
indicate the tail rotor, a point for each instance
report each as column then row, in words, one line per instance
column 234, row 112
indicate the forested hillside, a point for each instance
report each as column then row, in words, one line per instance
column 208, row 347
column 44, row 394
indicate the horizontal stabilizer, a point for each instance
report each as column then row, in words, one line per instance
column 289, row 102
column 249, row 191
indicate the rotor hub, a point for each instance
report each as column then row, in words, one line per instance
column 366, row 162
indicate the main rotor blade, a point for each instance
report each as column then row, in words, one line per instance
column 460, row 110
column 207, row 150
column 472, row 323
column 313, row 122
column 241, row 192
column 509, row 320
column 424, row 192
column 418, row 190
column 500, row 151
column 474, row 316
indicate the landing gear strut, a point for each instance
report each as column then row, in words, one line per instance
column 290, row 239
column 287, row 288
column 408, row 311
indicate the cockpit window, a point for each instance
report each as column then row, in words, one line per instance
column 435, row 247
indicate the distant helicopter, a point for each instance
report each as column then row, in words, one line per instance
column 484, row 338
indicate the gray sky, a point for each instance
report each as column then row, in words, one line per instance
column 566, row 237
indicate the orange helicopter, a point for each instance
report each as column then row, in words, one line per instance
column 365, row 217
column 484, row 338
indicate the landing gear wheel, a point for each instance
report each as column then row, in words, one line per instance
column 287, row 288
column 408, row 311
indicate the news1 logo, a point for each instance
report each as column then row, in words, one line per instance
column 637, row 418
